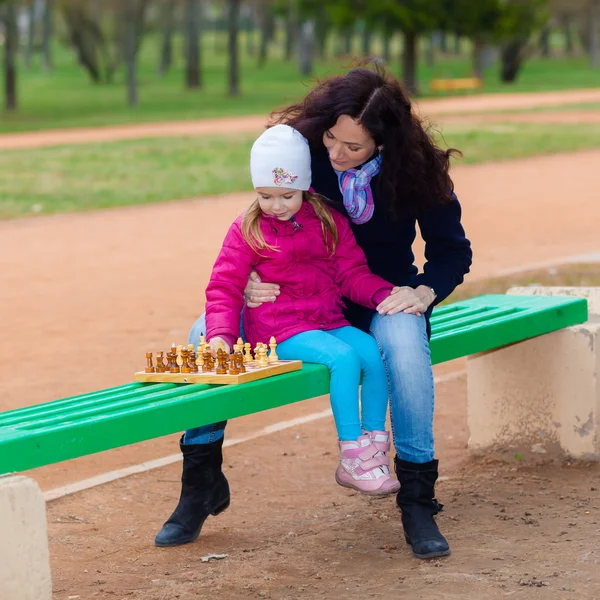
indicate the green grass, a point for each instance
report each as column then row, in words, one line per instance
column 66, row 98
column 79, row 178
column 502, row 141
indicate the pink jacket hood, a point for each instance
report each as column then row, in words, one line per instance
column 312, row 281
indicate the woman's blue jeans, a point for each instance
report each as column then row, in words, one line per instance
column 404, row 346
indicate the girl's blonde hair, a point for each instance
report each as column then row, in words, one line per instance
column 252, row 232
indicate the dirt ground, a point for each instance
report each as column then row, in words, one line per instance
column 254, row 123
column 84, row 295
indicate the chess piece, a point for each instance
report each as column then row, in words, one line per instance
column 160, row 365
column 273, row 354
column 149, row 368
column 221, row 357
column 233, row 365
column 239, row 358
column 199, row 359
column 208, row 364
column 263, row 361
column 185, row 368
column 179, row 359
column 248, row 353
column 172, row 358
column 192, row 360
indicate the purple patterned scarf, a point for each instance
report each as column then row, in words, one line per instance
column 355, row 185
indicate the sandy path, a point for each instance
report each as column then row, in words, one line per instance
column 252, row 124
column 83, row 296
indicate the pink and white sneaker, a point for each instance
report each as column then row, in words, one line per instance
column 362, row 470
column 381, row 441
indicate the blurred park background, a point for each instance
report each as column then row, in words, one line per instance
column 87, row 63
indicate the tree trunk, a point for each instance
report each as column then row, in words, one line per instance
column 512, row 58
column 478, row 57
column 166, row 52
column 387, row 46
column 192, row 70
column 305, row 50
column 594, row 34
column 568, row 35
column 30, row 33
column 234, row 78
column 409, row 62
column 131, row 34
column 545, row 41
column 321, row 31
column 47, row 35
column 250, row 38
column 443, row 42
column 348, row 41
column 457, row 43
column 291, row 26
column 266, row 33
column 10, row 56
column 366, row 42
column 430, row 51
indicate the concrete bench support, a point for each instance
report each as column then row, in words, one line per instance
column 540, row 395
column 24, row 556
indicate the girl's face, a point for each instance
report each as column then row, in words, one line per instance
column 348, row 143
column 282, row 203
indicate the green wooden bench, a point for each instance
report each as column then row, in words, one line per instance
column 64, row 429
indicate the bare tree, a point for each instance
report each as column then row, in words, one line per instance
column 168, row 21
column 305, row 48
column 193, row 75
column 11, row 44
column 31, row 18
column 267, row 26
column 131, row 34
column 234, row 76
column 47, row 34
column 291, row 28
column 366, row 40
column 594, row 33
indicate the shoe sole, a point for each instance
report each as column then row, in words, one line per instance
column 376, row 494
column 214, row 513
column 429, row 554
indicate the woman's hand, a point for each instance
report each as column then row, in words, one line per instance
column 257, row 292
column 407, row 300
column 216, row 343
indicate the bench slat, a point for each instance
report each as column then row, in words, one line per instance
column 55, row 431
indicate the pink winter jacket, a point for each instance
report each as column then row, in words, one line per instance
column 312, row 282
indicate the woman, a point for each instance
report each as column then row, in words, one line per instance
column 373, row 159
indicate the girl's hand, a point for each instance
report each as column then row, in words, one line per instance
column 257, row 292
column 216, row 343
column 407, row 300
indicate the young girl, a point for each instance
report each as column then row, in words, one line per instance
column 290, row 236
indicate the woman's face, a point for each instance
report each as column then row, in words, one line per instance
column 348, row 143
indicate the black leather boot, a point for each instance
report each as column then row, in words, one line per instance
column 204, row 492
column 418, row 505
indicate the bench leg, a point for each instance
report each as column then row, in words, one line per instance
column 24, row 556
column 541, row 395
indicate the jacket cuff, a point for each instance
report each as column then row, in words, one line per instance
column 380, row 295
column 230, row 339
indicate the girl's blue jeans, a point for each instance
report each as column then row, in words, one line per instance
column 404, row 346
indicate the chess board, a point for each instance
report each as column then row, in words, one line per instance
column 253, row 373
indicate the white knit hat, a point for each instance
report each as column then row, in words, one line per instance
column 280, row 157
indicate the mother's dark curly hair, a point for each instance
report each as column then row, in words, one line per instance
column 414, row 170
